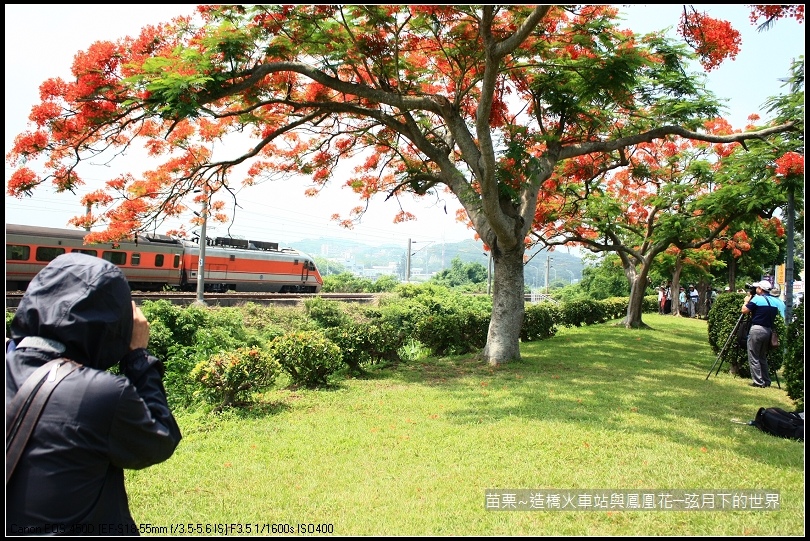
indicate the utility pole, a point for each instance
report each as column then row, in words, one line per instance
column 442, row 252
column 572, row 276
column 408, row 261
column 202, row 242
column 408, row 264
column 549, row 259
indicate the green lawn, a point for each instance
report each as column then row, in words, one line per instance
column 411, row 449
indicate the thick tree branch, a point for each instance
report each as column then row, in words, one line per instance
column 582, row 149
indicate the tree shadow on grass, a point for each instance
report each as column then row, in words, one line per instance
column 255, row 409
column 648, row 384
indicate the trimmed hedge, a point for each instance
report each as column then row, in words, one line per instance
column 417, row 320
column 723, row 318
column 309, row 357
column 793, row 339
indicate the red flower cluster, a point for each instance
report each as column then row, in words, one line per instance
column 791, row 163
column 777, row 11
column 714, row 40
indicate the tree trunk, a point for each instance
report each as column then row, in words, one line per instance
column 503, row 337
column 732, row 274
column 702, row 307
column 676, row 287
column 636, row 305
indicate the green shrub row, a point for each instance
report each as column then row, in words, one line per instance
column 225, row 356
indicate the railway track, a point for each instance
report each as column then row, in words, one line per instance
column 223, row 299
column 231, row 299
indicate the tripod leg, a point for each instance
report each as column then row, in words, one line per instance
column 719, row 358
column 730, row 340
column 719, row 367
column 725, row 347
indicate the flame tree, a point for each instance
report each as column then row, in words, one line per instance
column 686, row 198
column 481, row 101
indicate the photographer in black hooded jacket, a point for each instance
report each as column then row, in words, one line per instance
column 70, row 478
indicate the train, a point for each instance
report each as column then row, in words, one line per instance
column 162, row 263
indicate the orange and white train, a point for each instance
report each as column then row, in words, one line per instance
column 159, row 262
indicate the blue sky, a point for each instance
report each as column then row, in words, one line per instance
column 41, row 41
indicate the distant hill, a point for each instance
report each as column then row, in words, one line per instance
column 370, row 260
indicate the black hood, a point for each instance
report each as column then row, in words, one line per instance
column 82, row 301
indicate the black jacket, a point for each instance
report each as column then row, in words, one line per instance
column 70, row 478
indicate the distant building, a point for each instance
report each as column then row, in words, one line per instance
column 380, row 270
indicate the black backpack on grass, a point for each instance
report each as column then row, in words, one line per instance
column 778, row 422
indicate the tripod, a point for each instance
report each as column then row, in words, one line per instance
column 729, row 341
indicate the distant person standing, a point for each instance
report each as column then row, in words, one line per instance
column 763, row 309
column 711, row 296
column 662, row 297
column 694, row 298
column 682, row 302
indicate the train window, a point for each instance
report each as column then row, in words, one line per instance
column 47, row 253
column 233, row 257
column 311, row 266
column 176, row 261
column 83, row 251
column 119, row 258
column 17, row 253
column 136, row 259
column 295, row 262
column 158, row 260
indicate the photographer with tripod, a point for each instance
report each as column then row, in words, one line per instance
column 763, row 309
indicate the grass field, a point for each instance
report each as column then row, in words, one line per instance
column 410, row 450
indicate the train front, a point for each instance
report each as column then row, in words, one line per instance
column 311, row 279
column 318, row 278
